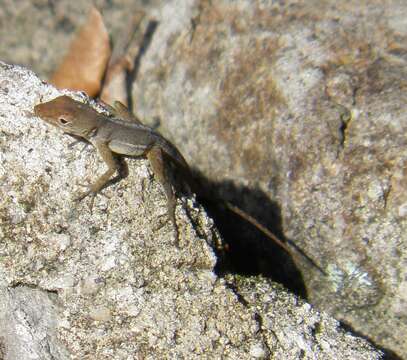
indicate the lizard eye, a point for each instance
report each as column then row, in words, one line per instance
column 62, row 120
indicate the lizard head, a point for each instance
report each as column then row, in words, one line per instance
column 67, row 114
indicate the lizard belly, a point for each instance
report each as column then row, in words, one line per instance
column 123, row 148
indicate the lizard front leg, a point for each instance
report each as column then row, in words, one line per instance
column 112, row 165
column 156, row 158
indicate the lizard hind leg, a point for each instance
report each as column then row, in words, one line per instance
column 156, row 157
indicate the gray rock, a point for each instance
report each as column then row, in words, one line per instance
column 110, row 284
column 301, row 105
column 28, row 321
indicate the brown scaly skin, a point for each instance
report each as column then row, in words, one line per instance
column 122, row 134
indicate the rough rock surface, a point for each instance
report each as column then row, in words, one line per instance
column 110, row 284
column 303, row 103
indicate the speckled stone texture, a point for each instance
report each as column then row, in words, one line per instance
column 295, row 111
column 111, row 284
column 305, row 104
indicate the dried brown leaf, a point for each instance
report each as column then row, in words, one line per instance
column 84, row 65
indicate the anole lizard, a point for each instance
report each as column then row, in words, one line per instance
column 121, row 134
column 124, row 134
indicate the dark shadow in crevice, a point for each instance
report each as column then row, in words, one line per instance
column 132, row 75
column 387, row 353
column 248, row 251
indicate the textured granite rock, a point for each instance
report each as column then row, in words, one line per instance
column 297, row 110
column 110, row 284
column 292, row 110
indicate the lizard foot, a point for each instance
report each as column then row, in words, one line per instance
column 83, row 195
column 163, row 221
column 90, row 192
